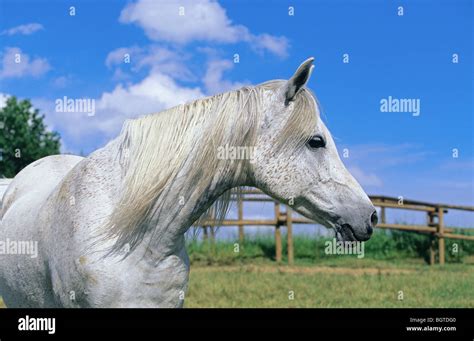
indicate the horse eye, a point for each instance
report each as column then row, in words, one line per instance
column 316, row 142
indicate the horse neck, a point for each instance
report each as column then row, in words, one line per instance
column 177, row 214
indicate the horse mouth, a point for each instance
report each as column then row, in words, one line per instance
column 345, row 233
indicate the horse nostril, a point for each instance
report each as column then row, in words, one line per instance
column 374, row 219
column 369, row 229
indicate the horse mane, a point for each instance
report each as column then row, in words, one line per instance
column 153, row 149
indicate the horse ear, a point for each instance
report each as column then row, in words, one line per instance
column 298, row 80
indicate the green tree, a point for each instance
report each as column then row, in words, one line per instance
column 23, row 137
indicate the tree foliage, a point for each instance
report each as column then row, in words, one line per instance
column 24, row 137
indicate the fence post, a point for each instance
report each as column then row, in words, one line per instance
column 382, row 214
column 432, row 250
column 213, row 234
column 278, row 247
column 289, row 235
column 441, row 245
column 241, row 217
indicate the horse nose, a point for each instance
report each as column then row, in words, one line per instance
column 374, row 219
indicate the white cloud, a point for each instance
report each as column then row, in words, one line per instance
column 15, row 64
column 213, row 81
column 153, row 94
column 120, row 75
column 155, row 58
column 265, row 42
column 26, row 29
column 159, row 60
column 203, row 20
column 61, row 82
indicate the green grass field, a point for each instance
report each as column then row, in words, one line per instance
column 365, row 284
column 393, row 273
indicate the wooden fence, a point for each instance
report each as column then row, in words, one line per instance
column 434, row 227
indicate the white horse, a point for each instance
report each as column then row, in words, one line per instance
column 110, row 227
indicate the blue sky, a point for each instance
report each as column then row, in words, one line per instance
column 176, row 59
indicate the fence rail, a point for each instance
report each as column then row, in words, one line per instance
column 434, row 227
